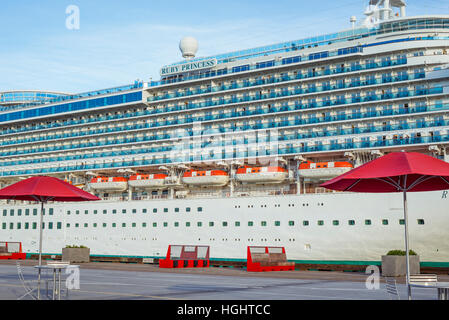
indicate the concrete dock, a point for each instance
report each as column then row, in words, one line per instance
column 125, row 281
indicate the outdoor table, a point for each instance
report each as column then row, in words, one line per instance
column 443, row 288
column 56, row 267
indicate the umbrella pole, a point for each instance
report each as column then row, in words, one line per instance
column 407, row 258
column 40, row 252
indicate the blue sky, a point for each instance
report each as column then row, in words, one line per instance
column 121, row 41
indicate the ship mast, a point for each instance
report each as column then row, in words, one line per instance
column 381, row 10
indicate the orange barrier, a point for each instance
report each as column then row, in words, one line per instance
column 11, row 250
column 267, row 259
column 186, row 256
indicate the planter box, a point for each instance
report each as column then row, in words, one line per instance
column 395, row 266
column 76, row 254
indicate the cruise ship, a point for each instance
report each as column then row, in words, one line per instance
column 230, row 150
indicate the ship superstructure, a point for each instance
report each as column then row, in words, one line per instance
column 230, row 149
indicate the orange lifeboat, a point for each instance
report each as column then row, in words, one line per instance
column 147, row 180
column 210, row 177
column 109, row 183
column 261, row 174
column 319, row 170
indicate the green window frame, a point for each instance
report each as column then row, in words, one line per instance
column 27, row 225
column 277, row 223
column 335, row 222
column 199, row 224
column 154, row 210
column 176, row 209
column 123, row 211
column 50, row 225
column 165, row 209
column 123, row 224
column 59, row 225
column 291, row 223
column 144, row 210
column 144, row 224
column 385, row 222
column 305, row 222
column 155, row 224
column 4, row 225
column 187, row 224
column 250, row 223
column 211, row 223
column 237, row 223
column 320, row 222
column 224, row 223
column 86, row 211
column 263, row 223
column 134, row 211
column 19, row 225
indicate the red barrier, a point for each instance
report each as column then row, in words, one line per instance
column 267, row 259
column 186, row 256
column 11, row 251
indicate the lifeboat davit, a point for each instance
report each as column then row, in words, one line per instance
column 147, row 180
column 109, row 183
column 321, row 170
column 261, row 174
column 210, row 177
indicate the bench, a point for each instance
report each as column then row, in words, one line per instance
column 267, row 259
column 186, row 256
column 11, row 250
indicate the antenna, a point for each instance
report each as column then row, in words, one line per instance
column 353, row 20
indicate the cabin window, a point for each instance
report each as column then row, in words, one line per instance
column 320, row 222
column 144, row 224
column 291, row 223
column 4, row 225
column 19, row 225
column 105, row 211
column 155, row 224
column 200, row 209
column 67, row 225
column 176, row 224
column 95, row 211
column 277, row 223
column 134, row 211
column 5, row 212
column 34, row 212
column 34, row 225
column 86, row 211
column 305, row 223
column 237, row 223
column 11, row 212
column 176, row 209
column 385, row 222
column 188, row 209
column 351, row 222
column 114, row 224
column 155, row 210
column 19, row 212
column 368, row 222
column 50, row 225
column 165, row 224
column 86, row 225
column 68, row 212
column 27, row 225
column 123, row 210
column 211, row 224
column 401, row 221
column 50, row 211
column 335, row 222
column 250, row 223
column 104, row 225
column 263, row 223
column 421, row 221
column 144, row 210
column 225, row 223
column 199, row 224
column 165, row 209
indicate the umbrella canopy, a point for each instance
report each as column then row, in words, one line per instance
column 395, row 172
column 42, row 189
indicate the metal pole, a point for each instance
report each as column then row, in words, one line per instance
column 40, row 252
column 407, row 258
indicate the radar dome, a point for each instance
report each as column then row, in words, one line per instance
column 188, row 47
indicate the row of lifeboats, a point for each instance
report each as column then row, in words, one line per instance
column 218, row 178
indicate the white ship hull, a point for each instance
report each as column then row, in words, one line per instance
column 328, row 242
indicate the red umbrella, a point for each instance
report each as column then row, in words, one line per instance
column 396, row 172
column 43, row 189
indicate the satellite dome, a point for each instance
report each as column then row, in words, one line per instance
column 188, row 47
